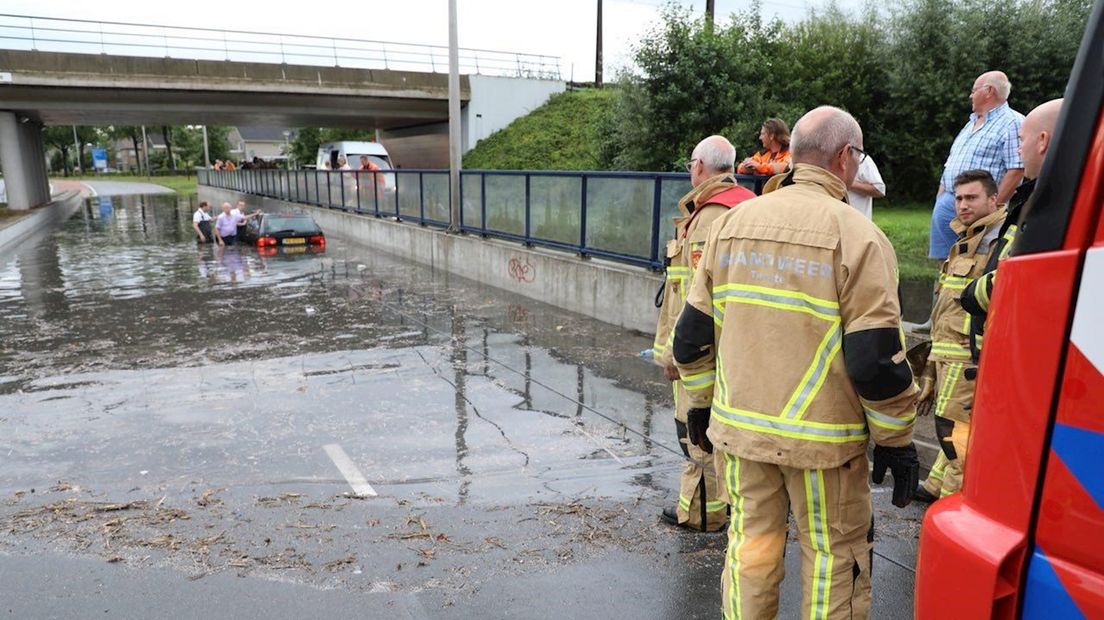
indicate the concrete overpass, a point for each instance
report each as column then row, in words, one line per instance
column 409, row 108
column 56, row 88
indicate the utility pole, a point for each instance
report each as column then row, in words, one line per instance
column 598, row 50
column 454, row 121
column 710, row 14
column 77, row 146
column 206, row 151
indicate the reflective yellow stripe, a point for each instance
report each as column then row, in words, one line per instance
column 954, row 371
column 722, row 383
column 939, row 466
column 950, row 349
column 676, row 273
column 735, row 537
column 779, row 299
column 878, row 418
column 1009, row 238
column 953, row 282
column 817, row 509
column 796, row 429
column 699, row 381
column 715, row 506
column 816, row 373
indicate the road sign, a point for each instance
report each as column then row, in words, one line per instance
column 99, row 159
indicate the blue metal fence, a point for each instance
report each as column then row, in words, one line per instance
column 622, row 216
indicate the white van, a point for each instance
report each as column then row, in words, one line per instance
column 351, row 151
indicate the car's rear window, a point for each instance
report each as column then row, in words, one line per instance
column 291, row 224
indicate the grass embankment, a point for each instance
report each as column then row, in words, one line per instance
column 181, row 184
column 907, row 226
column 562, row 134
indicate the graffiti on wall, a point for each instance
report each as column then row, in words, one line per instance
column 522, row 270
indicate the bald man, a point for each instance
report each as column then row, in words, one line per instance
column 714, row 192
column 793, row 318
column 1035, row 136
column 989, row 141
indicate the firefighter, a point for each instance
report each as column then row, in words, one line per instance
column 978, row 223
column 794, row 312
column 714, row 192
column 1035, row 135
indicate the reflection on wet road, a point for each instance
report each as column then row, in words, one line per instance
column 167, row 404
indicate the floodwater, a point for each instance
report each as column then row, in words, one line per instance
column 197, row 413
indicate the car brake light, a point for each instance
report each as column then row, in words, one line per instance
column 263, row 241
column 318, row 240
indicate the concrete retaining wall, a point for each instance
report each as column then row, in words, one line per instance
column 39, row 221
column 617, row 294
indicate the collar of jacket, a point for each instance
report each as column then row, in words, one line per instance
column 824, row 181
column 1019, row 198
column 973, row 234
column 702, row 193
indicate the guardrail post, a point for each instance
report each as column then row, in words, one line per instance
column 375, row 192
column 398, row 213
column 421, row 198
column 329, row 189
column 342, row 176
column 34, row 40
column 334, row 44
column 656, row 209
column 528, row 229
column 356, row 180
column 483, row 203
column 461, row 223
column 583, row 218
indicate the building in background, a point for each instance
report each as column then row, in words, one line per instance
column 268, row 143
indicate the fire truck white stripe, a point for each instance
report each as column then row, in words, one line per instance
column 1088, row 332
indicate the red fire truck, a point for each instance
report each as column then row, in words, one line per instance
column 1025, row 537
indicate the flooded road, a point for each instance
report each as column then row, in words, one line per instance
column 370, row 433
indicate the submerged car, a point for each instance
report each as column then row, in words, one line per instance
column 288, row 231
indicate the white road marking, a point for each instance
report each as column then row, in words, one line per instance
column 349, row 470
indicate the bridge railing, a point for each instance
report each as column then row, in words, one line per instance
column 26, row 32
column 622, row 216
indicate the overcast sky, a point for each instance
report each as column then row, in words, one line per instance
column 563, row 28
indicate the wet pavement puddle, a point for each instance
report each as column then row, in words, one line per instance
column 171, row 406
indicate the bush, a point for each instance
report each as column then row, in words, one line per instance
column 905, row 76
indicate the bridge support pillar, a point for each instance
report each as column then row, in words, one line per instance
column 23, row 161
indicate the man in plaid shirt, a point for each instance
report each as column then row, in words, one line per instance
column 991, row 142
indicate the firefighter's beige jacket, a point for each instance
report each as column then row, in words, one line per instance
column 689, row 241
column 950, row 323
column 786, row 277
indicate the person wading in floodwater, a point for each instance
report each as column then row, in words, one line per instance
column 201, row 223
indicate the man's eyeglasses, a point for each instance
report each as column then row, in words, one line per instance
column 862, row 153
column 690, row 165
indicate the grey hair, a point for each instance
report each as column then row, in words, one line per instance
column 817, row 140
column 716, row 154
column 1002, row 86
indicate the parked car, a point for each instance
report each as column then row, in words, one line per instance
column 286, row 231
column 1025, row 536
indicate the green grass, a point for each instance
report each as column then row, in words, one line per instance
column 562, row 134
column 907, row 226
column 180, row 184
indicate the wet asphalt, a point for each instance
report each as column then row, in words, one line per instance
column 173, row 418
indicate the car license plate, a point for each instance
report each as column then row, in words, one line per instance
column 294, row 241
column 302, row 249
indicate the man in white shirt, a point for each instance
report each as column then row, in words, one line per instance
column 867, row 186
column 201, row 223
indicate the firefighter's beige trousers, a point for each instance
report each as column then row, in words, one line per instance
column 954, row 397
column 833, row 514
column 700, row 497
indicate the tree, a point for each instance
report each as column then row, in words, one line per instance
column 60, row 137
column 127, row 132
column 166, row 133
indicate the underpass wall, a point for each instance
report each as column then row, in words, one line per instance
column 607, row 291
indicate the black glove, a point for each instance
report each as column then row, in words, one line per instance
column 697, row 422
column 904, row 465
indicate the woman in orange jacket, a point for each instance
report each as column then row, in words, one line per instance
column 775, row 156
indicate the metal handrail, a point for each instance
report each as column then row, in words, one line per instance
column 341, row 51
column 385, row 198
